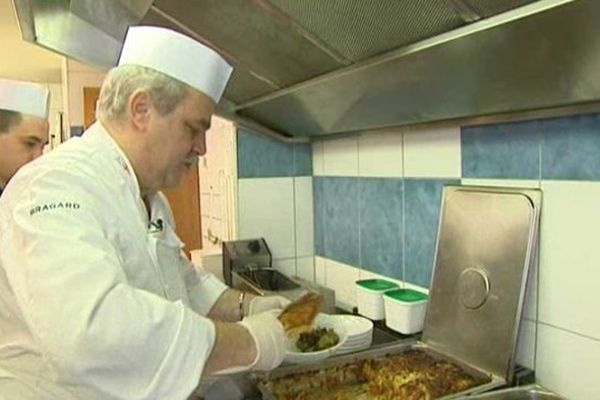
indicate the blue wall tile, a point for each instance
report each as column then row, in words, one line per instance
column 422, row 209
column 381, row 243
column 509, row 150
column 319, row 215
column 303, row 159
column 571, row 148
column 262, row 156
column 340, row 195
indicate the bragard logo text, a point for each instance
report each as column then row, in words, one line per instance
column 54, row 206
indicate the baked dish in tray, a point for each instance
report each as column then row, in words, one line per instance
column 411, row 375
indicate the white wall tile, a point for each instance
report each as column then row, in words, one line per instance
column 380, row 154
column 304, row 216
column 305, row 268
column 340, row 156
column 318, row 161
column 341, row 278
column 526, row 344
column 320, row 271
column 530, row 304
column 285, row 266
column 525, row 183
column 266, row 209
column 568, row 364
column 433, row 152
column 569, row 254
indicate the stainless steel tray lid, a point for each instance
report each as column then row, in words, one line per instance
column 486, row 242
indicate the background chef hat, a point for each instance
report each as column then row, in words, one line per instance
column 24, row 97
column 177, row 56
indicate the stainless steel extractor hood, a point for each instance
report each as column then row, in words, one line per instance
column 312, row 67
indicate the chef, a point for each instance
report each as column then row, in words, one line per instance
column 23, row 125
column 96, row 299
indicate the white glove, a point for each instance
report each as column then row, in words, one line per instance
column 269, row 337
column 261, row 304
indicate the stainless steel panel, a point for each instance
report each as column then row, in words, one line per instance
column 243, row 85
column 296, row 73
column 293, row 289
column 486, row 243
column 268, row 279
column 91, row 35
column 116, row 15
column 253, row 38
column 529, row 392
column 530, row 58
column 369, row 28
column 487, row 8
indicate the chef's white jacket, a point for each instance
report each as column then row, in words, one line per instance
column 96, row 299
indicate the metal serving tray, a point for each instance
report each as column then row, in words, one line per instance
column 283, row 372
column 529, row 392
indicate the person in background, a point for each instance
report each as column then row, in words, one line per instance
column 96, row 299
column 23, row 125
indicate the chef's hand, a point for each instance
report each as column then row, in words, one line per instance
column 261, row 304
column 269, row 337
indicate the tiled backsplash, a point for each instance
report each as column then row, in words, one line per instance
column 275, row 200
column 262, row 157
column 376, row 198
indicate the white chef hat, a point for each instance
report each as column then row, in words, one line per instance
column 177, row 56
column 24, row 97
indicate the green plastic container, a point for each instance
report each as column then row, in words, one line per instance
column 405, row 310
column 406, row 295
column 369, row 296
column 376, row 285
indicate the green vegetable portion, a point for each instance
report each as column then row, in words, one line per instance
column 317, row 339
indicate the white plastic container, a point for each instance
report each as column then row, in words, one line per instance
column 405, row 310
column 369, row 294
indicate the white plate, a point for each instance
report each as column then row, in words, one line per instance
column 360, row 338
column 293, row 355
column 344, row 350
column 357, row 344
column 356, row 325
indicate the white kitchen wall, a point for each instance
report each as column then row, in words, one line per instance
column 55, row 115
column 280, row 210
column 379, row 154
column 218, row 186
column 76, row 76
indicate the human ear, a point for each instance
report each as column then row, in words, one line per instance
column 140, row 104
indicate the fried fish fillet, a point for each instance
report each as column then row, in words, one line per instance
column 299, row 315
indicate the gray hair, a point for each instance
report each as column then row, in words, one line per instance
column 8, row 119
column 122, row 81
